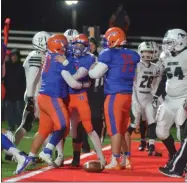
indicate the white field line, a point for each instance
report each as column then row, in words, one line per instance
column 33, row 173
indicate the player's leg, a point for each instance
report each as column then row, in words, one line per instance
column 126, row 144
column 178, row 163
column 135, row 115
column 150, row 116
column 59, row 115
column 143, row 129
column 28, row 117
column 114, row 106
column 45, row 128
column 165, row 120
column 7, row 145
column 85, row 115
column 180, row 120
column 59, row 161
column 77, row 136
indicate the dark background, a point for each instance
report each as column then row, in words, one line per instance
column 148, row 18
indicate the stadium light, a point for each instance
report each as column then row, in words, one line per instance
column 73, row 12
column 69, row 3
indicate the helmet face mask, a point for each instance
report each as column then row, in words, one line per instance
column 71, row 34
column 80, row 45
column 174, row 40
column 146, row 51
column 78, row 49
column 39, row 40
column 147, row 55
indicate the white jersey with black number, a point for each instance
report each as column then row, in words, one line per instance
column 145, row 77
column 176, row 71
column 33, row 67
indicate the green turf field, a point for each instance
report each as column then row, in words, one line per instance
column 9, row 167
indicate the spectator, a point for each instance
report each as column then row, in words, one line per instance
column 120, row 19
column 93, row 46
column 15, row 84
column 96, row 101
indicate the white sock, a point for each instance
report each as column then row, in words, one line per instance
column 50, row 146
column 97, row 144
column 59, row 148
column 32, row 154
column 151, row 141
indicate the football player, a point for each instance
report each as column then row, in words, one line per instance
column 118, row 65
column 147, row 72
column 78, row 100
column 33, row 67
column 172, row 110
column 51, row 99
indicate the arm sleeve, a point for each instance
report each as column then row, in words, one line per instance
column 32, row 78
column 161, row 87
column 81, row 72
column 70, row 80
column 98, row 71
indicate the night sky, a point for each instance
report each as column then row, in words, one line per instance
column 148, row 18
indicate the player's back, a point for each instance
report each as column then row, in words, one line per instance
column 52, row 83
column 176, row 71
column 121, row 70
column 84, row 61
column 33, row 64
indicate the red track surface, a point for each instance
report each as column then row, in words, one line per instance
column 145, row 169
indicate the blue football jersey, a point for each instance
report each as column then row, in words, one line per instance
column 52, row 82
column 84, row 61
column 121, row 69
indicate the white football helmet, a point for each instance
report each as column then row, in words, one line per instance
column 70, row 34
column 146, row 51
column 39, row 40
column 157, row 50
column 174, row 40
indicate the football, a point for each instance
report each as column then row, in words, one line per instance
column 94, row 166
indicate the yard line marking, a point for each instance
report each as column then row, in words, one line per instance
column 36, row 172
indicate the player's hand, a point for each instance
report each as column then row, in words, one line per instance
column 185, row 105
column 10, row 136
column 137, row 129
column 62, row 59
column 155, row 101
column 30, row 104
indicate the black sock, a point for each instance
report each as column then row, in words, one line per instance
column 142, row 129
column 76, row 156
column 169, row 144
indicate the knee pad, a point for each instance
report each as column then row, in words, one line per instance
column 28, row 121
column 152, row 131
column 162, row 133
column 80, row 131
column 164, row 120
